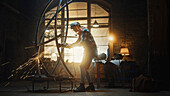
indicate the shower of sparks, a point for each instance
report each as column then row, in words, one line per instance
column 7, row 84
column 29, row 63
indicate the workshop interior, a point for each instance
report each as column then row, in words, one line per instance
column 131, row 38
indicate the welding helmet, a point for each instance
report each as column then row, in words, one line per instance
column 74, row 24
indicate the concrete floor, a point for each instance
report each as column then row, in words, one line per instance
column 21, row 89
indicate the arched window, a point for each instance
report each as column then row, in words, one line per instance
column 78, row 12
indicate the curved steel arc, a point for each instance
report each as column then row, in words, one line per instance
column 38, row 25
column 56, row 37
column 57, row 45
column 65, row 5
column 37, row 29
column 67, row 23
column 45, row 68
column 42, row 35
column 56, row 65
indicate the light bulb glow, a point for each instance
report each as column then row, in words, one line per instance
column 111, row 38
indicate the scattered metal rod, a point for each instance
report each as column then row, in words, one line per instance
column 5, row 63
column 29, row 47
column 48, row 41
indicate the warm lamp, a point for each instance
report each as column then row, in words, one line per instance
column 124, row 51
column 111, row 38
column 95, row 24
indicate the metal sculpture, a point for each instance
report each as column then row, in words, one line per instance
column 40, row 42
column 35, row 64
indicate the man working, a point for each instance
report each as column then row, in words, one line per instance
column 86, row 40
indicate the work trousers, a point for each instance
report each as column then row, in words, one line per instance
column 86, row 62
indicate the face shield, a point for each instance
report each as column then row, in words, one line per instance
column 73, row 32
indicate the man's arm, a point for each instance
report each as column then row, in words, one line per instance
column 77, row 43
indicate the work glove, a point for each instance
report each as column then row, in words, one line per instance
column 63, row 45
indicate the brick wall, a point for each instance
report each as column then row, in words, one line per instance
column 129, row 23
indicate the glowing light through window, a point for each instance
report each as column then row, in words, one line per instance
column 74, row 54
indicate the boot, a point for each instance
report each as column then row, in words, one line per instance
column 90, row 87
column 81, row 88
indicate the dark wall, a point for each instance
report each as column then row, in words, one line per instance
column 129, row 24
column 17, row 28
column 159, row 30
column 132, row 17
column 159, row 41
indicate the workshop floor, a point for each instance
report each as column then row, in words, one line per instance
column 22, row 89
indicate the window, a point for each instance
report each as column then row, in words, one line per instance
column 78, row 13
